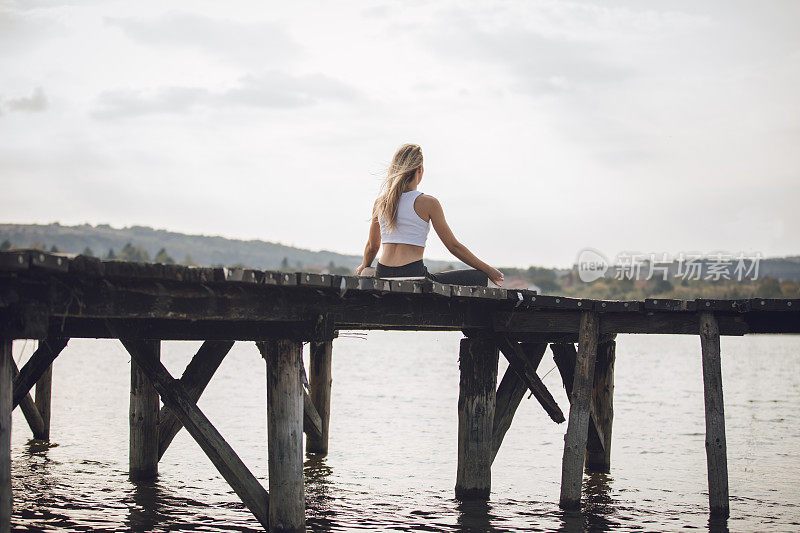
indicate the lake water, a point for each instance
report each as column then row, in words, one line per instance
column 392, row 460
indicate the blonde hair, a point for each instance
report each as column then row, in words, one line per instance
column 407, row 159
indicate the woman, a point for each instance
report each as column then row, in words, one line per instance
column 401, row 218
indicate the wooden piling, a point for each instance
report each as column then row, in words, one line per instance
column 716, row 448
column 43, row 395
column 476, row 405
column 285, row 434
column 144, row 404
column 320, row 391
column 5, row 434
column 578, row 425
column 598, row 453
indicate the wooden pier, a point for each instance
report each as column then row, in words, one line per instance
column 52, row 298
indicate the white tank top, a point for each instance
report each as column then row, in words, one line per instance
column 409, row 227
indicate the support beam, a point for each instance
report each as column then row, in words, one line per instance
column 578, row 426
column 312, row 421
column 285, row 434
column 195, row 379
column 476, row 405
column 320, row 388
column 43, row 401
column 564, row 356
column 143, row 423
column 220, row 453
column 598, row 451
column 6, row 359
column 29, row 409
column 37, row 365
column 510, row 393
column 516, row 358
column 716, row 447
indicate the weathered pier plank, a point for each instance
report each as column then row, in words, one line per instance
column 476, row 405
column 716, row 447
column 510, row 393
column 320, row 380
column 143, row 444
column 195, row 379
column 578, row 426
column 220, row 453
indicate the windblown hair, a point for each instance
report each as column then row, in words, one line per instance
column 402, row 169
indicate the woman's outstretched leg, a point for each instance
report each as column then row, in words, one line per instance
column 469, row 276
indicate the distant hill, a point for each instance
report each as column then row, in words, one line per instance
column 198, row 249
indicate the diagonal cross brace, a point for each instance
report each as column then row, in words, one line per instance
column 174, row 394
column 516, row 358
column 195, row 379
column 510, row 393
column 39, row 362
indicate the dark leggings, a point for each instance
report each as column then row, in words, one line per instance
column 468, row 276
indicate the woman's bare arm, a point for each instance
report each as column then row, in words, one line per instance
column 454, row 246
column 373, row 245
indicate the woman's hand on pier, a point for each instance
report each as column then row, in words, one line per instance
column 359, row 269
column 495, row 275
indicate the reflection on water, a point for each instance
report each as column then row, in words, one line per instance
column 393, row 445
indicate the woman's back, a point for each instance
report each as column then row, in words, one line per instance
column 409, row 227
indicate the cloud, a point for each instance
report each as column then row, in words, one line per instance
column 231, row 40
column 35, row 103
column 540, row 62
column 272, row 90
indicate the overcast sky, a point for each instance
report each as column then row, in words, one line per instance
column 546, row 127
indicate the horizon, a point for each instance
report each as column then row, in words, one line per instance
column 450, row 259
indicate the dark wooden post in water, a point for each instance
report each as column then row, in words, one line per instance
column 5, row 434
column 285, row 434
column 43, row 394
column 598, row 454
column 476, row 404
column 144, row 404
column 319, row 385
column 578, row 425
column 716, row 448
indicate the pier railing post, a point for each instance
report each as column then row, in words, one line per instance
column 285, row 434
column 716, row 447
column 5, row 434
column 319, row 385
column 43, row 395
column 476, row 405
column 598, row 455
column 144, row 406
column 578, row 425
